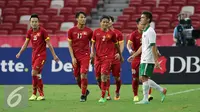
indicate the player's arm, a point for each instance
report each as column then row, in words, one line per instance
column 129, row 48
column 55, row 57
column 175, row 34
column 138, row 52
column 118, row 48
column 47, row 40
column 74, row 61
column 117, row 45
column 129, row 44
column 152, row 41
column 121, row 45
column 92, row 54
column 121, row 42
column 70, row 48
column 158, row 52
column 23, row 48
column 155, row 55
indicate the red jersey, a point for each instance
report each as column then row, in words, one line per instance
column 80, row 41
column 38, row 39
column 120, row 39
column 104, row 43
column 135, row 38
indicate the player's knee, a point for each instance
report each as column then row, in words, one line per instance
column 98, row 79
column 117, row 78
column 143, row 78
column 133, row 71
column 83, row 76
column 34, row 72
column 108, row 77
column 103, row 78
column 77, row 79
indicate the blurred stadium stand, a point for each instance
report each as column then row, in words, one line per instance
column 58, row 15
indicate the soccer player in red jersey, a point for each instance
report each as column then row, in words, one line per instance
column 79, row 47
column 116, row 64
column 134, row 43
column 39, row 38
column 102, row 42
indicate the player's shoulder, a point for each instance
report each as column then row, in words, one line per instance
column 135, row 32
column 73, row 28
column 30, row 31
column 88, row 29
column 42, row 29
column 151, row 29
column 97, row 30
column 117, row 31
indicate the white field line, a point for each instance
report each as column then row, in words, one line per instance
column 181, row 92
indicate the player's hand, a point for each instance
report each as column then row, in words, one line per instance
column 121, row 59
column 157, row 65
column 130, row 59
column 74, row 61
column 117, row 56
column 131, row 52
column 56, row 58
column 92, row 61
column 18, row 55
column 91, row 55
column 159, row 55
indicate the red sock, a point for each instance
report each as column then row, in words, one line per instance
column 118, row 85
column 79, row 83
column 150, row 90
column 135, row 84
column 103, row 89
column 40, row 87
column 108, row 86
column 35, row 84
column 84, row 83
column 99, row 83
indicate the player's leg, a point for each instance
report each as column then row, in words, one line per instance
column 34, row 85
column 39, row 64
column 97, row 70
column 105, row 72
column 77, row 74
column 135, row 79
column 162, row 90
column 116, row 73
column 108, row 88
column 144, row 68
column 108, row 85
column 150, row 97
column 152, row 84
column 84, row 81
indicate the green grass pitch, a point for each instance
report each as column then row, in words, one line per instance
column 65, row 98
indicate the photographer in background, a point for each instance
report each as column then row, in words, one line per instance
column 183, row 32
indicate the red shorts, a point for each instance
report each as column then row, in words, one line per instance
column 102, row 66
column 38, row 64
column 135, row 66
column 116, row 68
column 81, row 67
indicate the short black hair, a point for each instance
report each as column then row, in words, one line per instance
column 148, row 15
column 111, row 18
column 104, row 17
column 138, row 20
column 79, row 13
column 34, row 16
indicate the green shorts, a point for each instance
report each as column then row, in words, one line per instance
column 146, row 69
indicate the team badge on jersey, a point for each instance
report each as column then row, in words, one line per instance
column 108, row 36
column 38, row 34
column 84, row 33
